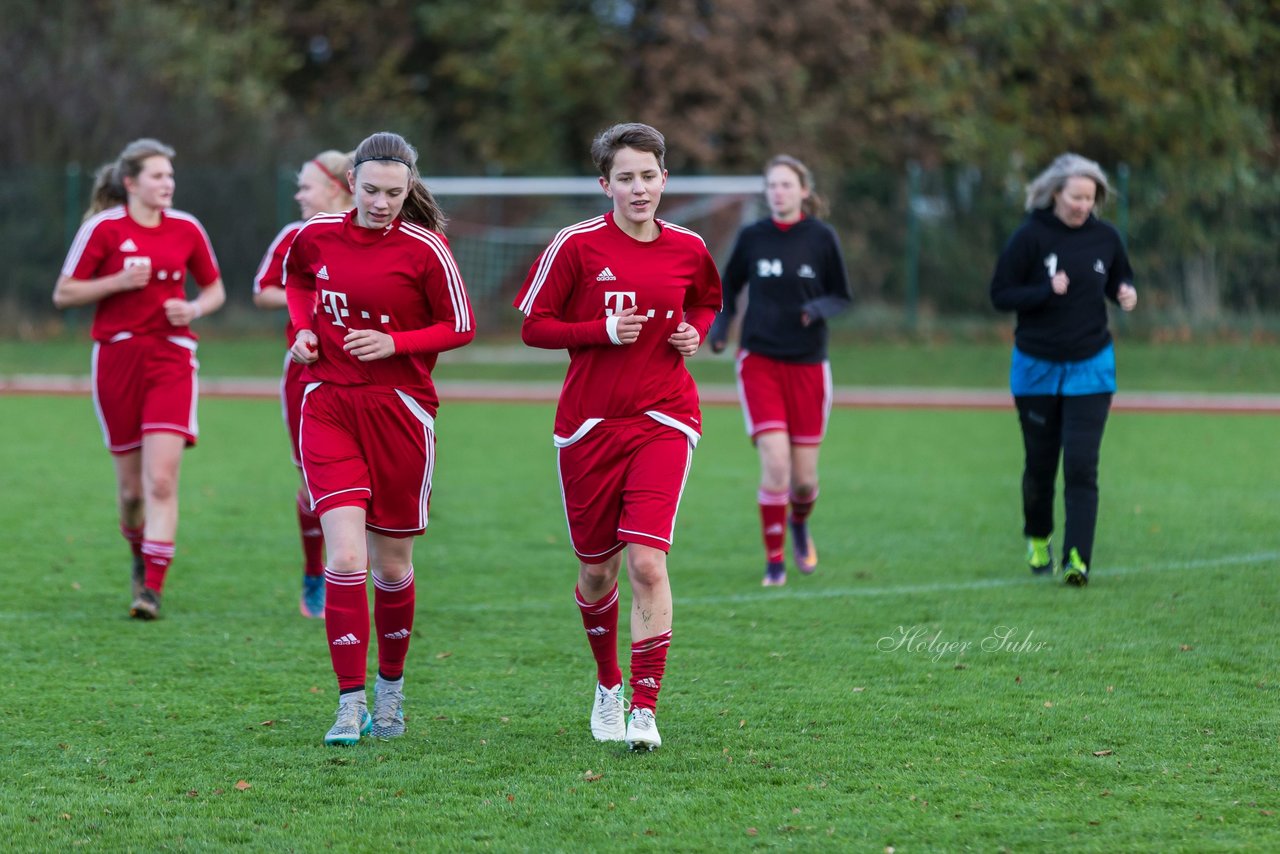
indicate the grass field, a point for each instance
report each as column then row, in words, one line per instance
column 920, row 692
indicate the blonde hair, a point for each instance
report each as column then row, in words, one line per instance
column 420, row 206
column 1049, row 183
column 335, row 165
column 815, row 205
column 108, row 182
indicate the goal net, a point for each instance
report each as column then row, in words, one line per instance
column 498, row 226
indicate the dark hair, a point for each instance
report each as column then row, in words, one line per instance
column 627, row 135
column 108, row 181
column 815, row 205
column 420, row 207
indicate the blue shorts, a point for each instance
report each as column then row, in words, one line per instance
column 1094, row 375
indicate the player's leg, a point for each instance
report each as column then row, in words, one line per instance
column 597, row 597
column 161, row 463
column 807, row 393
column 774, row 449
column 1083, row 422
column 391, row 560
column 129, row 501
column 651, row 612
column 311, row 603
column 804, row 495
column 1040, row 417
column 346, row 618
column 117, row 400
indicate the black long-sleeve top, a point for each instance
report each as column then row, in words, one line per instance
column 1073, row 326
column 787, row 273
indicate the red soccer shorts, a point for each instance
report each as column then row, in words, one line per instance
column 145, row 384
column 622, row 483
column 368, row 447
column 788, row 396
column 292, row 388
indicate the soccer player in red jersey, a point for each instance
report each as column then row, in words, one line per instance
column 630, row 297
column 130, row 259
column 322, row 187
column 374, row 295
column 792, row 269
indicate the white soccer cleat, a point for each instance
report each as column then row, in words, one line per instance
column 352, row 722
column 388, row 709
column 642, row 731
column 608, row 714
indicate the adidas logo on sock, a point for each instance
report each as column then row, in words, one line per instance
column 400, row 635
column 324, row 272
column 597, row 631
column 647, row 682
column 347, row 640
column 606, row 275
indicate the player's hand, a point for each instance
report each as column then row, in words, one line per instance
column 306, row 347
column 369, row 345
column 1127, row 297
column 805, row 319
column 135, row 278
column 1060, row 282
column 718, row 346
column 179, row 312
column 685, row 339
column 629, row 324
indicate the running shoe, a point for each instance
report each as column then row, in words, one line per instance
column 642, row 731
column 608, row 714
column 146, row 606
column 388, row 709
column 775, row 574
column 802, row 547
column 312, row 602
column 1039, row 556
column 352, row 722
column 1076, row 572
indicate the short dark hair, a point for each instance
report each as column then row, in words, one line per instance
column 635, row 135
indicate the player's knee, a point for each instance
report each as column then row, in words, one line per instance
column 345, row 560
column 804, row 490
column 646, row 567
column 162, row 487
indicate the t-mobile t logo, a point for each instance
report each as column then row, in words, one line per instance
column 335, row 304
column 615, row 302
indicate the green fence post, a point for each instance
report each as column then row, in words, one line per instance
column 912, row 296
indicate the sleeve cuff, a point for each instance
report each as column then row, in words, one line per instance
column 611, row 326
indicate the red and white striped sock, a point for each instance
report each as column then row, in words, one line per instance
column 773, row 522
column 312, row 537
column 134, row 538
column 648, row 663
column 346, row 625
column 600, row 619
column 393, row 606
column 157, row 555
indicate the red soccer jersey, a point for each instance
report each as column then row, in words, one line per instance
column 271, row 271
column 593, row 270
column 401, row 280
column 111, row 240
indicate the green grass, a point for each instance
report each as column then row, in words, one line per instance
column 1201, row 367
column 1145, row 720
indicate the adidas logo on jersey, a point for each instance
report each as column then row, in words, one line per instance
column 597, row 631
column 647, row 682
column 1099, row 267
column 806, row 272
column 606, row 275
column 347, row 640
column 324, row 272
column 400, row 635
column 128, row 245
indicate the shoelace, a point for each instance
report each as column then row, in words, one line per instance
column 614, row 712
column 643, row 719
column 386, row 704
column 351, row 715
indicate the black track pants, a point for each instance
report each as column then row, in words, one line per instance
column 1071, row 428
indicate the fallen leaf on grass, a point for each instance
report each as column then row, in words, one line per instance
column 75, row 585
column 242, row 785
column 443, row 655
column 1048, row 704
column 591, row 776
column 742, row 723
column 314, row 689
column 859, row 689
column 1186, row 647
column 751, row 831
column 1102, row 753
column 511, row 798
column 1017, row 680
column 267, row 723
column 192, row 793
column 66, row 816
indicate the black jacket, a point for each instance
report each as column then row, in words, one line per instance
column 1073, row 326
column 786, row 273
